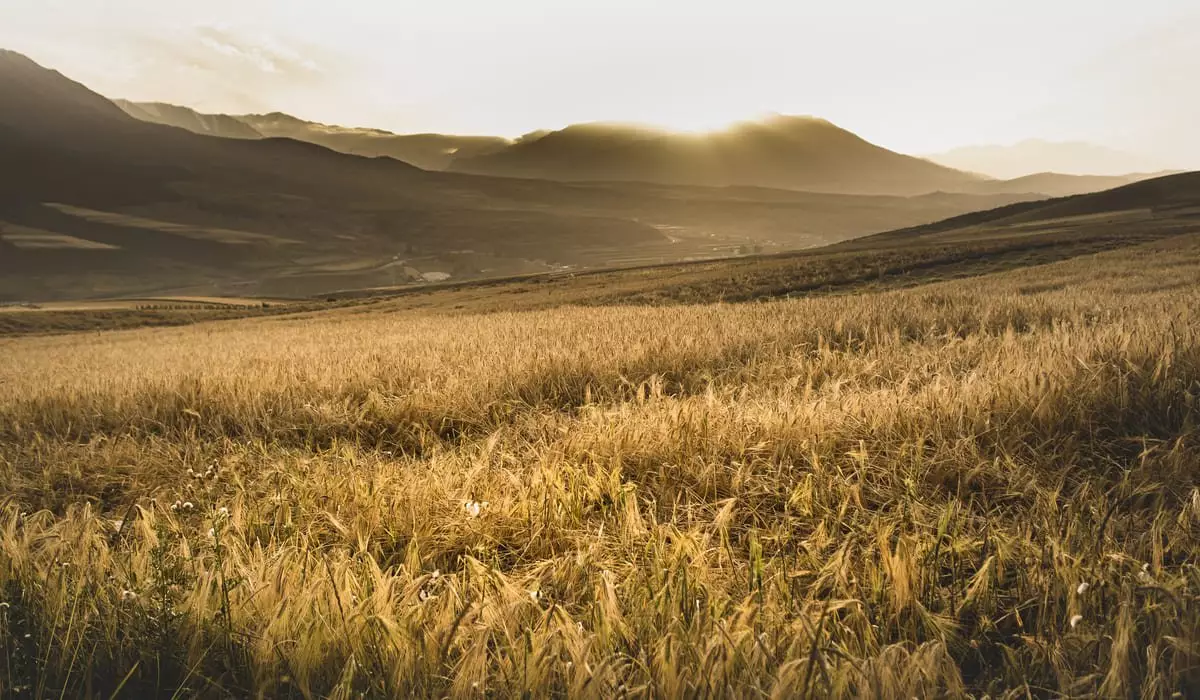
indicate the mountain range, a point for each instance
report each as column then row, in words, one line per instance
column 426, row 151
column 799, row 153
column 94, row 202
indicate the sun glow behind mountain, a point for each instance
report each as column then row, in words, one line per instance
column 697, row 125
column 926, row 78
column 700, row 124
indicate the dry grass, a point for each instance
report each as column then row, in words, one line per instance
column 985, row 486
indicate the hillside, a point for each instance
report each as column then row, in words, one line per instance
column 800, row 153
column 1169, row 204
column 96, row 203
column 1027, row 234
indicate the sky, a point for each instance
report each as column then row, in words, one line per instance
column 919, row 76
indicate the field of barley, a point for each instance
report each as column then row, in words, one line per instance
column 981, row 487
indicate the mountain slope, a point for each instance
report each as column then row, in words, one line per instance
column 801, row 153
column 1034, row 156
column 37, row 98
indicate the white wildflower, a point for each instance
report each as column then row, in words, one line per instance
column 222, row 512
column 188, row 505
column 4, row 605
column 475, row 508
column 128, row 595
column 212, row 533
column 1075, row 620
column 1083, row 588
column 535, row 596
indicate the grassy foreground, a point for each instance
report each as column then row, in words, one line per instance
column 983, row 486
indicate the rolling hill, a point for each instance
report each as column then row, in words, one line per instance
column 799, row 153
column 95, row 203
column 1163, row 205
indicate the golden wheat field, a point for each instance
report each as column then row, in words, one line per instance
column 984, row 487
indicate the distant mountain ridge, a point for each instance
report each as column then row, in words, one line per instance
column 1058, row 184
column 1034, row 156
column 426, row 151
column 797, row 153
column 622, row 152
column 185, row 118
column 782, row 152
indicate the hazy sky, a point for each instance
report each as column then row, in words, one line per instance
column 917, row 76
